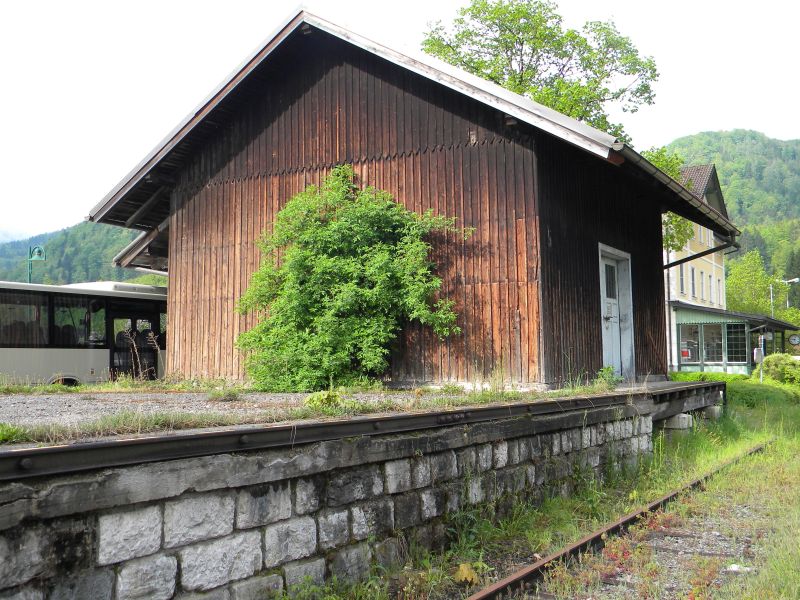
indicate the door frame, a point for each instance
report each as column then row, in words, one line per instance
column 625, row 301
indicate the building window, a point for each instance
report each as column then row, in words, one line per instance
column 702, row 286
column 737, row 342
column 700, row 233
column 689, row 336
column 681, row 278
column 694, row 289
column 712, row 342
column 720, row 300
column 710, row 290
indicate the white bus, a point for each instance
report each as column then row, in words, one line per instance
column 81, row 333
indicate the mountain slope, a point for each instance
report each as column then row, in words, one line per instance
column 760, row 176
column 76, row 254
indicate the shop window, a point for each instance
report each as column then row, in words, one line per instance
column 689, row 336
column 712, row 342
column 737, row 342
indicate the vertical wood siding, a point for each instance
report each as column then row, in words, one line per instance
column 584, row 202
column 319, row 102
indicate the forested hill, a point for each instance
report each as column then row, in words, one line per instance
column 760, row 176
column 76, row 254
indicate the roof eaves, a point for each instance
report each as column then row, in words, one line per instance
column 715, row 216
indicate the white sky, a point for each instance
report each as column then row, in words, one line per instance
column 88, row 88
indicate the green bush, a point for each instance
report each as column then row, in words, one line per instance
column 706, row 376
column 751, row 394
column 343, row 270
column 780, row 367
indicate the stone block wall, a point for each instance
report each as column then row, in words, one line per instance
column 245, row 526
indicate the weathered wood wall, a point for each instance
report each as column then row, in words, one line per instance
column 584, row 202
column 318, row 102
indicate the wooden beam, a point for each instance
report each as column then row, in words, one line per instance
column 145, row 208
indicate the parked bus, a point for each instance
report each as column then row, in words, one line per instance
column 81, row 333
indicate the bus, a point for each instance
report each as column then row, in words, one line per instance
column 81, row 333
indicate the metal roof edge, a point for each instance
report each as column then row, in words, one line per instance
column 136, row 173
column 721, row 311
column 538, row 115
column 630, row 154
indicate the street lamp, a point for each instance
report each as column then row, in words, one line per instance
column 35, row 253
column 772, row 299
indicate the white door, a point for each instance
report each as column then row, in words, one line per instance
column 609, row 298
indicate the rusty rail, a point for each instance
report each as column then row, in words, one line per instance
column 523, row 578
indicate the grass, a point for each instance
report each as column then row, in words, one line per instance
column 485, row 541
column 320, row 405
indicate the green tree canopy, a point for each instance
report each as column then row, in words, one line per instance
column 342, row 271
column 523, row 45
column 675, row 230
column 748, row 287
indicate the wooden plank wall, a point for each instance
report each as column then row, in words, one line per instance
column 320, row 102
column 584, row 202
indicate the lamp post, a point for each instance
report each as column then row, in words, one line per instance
column 35, row 253
column 772, row 298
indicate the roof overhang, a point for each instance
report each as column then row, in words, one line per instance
column 141, row 199
column 759, row 320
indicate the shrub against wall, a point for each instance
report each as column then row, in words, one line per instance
column 342, row 270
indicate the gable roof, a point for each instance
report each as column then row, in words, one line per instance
column 137, row 200
column 703, row 182
column 696, row 178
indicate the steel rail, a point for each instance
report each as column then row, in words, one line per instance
column 23, row 463
column 517, row 582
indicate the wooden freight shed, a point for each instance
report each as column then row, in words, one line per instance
column 562, row 276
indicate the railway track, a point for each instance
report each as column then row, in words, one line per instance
column 524, row 579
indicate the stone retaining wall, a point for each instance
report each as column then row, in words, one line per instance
column 246, row 526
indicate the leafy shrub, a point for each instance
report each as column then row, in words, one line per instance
column 780, row 367
column 331, row 402
column 606, row 379
column 706, row 376
column 751, row 394
column 343, row 270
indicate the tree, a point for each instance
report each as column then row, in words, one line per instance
column 675, row 230
column 522, row 45
column 748, row 287
column 342, row 271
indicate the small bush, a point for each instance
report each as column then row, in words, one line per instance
column 606, row 379
column 344, row 270
column 706, row 376
column 10, row 434
column 333, row 403
column 780, row 367
column 224, row 395
column 751, row 394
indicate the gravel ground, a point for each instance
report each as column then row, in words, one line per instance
column 75, row 409
column 689, row 557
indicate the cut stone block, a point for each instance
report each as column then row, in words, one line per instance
column 129, row 534
column 212, row 564
column 713, row 413
column 150, row 578
column 290, row 540
column 679, row 421
column 197, row 518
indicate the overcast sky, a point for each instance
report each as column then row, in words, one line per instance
column 88, row 88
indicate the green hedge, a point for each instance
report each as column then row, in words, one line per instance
column 705, row 376
column 751, row 394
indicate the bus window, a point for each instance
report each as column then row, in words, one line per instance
column 97, row 323
column 70, row 321
column 23, row 319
